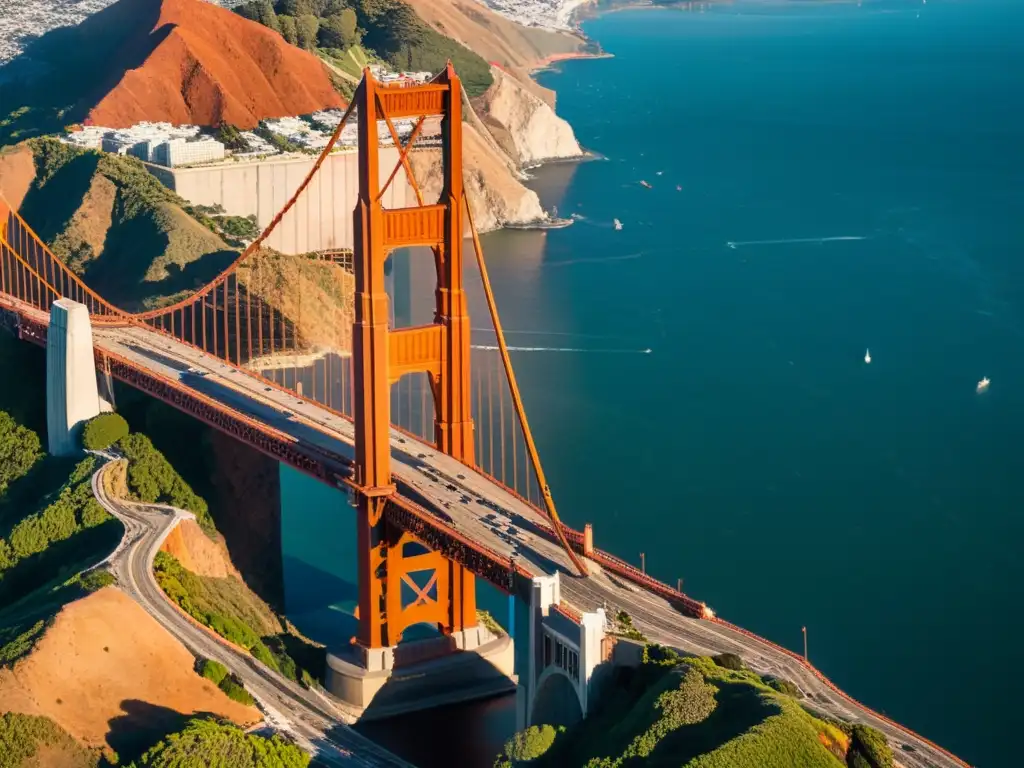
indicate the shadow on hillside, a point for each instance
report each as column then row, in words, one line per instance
column 142, row 725
column 60, row 561
column 50, row 208
column 739, row 708
column 65, row 72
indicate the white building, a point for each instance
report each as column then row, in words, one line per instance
column 178, row 152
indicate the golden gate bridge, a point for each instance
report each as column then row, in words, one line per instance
column 429, row 441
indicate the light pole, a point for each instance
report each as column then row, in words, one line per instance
column 643, row 563
column 679, row 585
column 804, row 630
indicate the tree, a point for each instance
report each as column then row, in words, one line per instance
column 306, row 27
column 296, row 8
column 260, row 11
column 339, row 30
column 19, row 450
column 206, row 742
column 103, row 431
column 288, row 29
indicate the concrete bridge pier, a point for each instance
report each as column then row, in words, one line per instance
column 569, row 655
column 383, row 682
column 72, row 397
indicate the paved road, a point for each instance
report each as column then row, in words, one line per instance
column 311, row 720
column 492, row 517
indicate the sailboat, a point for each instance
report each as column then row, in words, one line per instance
column 618, row 224
column 867, row 356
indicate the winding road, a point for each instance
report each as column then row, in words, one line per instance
column 314, row 722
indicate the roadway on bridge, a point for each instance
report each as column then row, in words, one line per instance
column 492, row 517
column 312, row 721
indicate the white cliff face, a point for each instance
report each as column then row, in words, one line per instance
column 496, row 196
column 526, row 127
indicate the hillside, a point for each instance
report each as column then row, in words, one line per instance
column 207, row 66
column 698, row 712
column 118, row 227
column 515, row 48
column 108, row 674
column 27, row 741
column 183, row 61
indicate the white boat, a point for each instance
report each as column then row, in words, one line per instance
column 867, row 356
column 983, row 384
column 618, row 224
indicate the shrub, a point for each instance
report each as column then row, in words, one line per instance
column 235, row 691
column 210, row 743
column 212, row 670
column 784, row 686
column 96, row 580
column 872, row 744
column 151, row 478
column 19, row 450
column 103, row 431
column 728, row 661
column 660, row 655
column 528, row 745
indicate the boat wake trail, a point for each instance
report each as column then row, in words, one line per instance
column 735, row 244
column 494, row 347
column 596, row 260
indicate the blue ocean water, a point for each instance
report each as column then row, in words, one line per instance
column 752, row 452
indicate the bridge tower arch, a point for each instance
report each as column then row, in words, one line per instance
column 382, row 355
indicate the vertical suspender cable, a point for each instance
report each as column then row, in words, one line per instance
column 517, row 401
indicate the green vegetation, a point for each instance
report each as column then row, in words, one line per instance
column 698, row 713
column 389, row 28
column 204, row 743
column 113, row 223
column 528, row 745
column 484, row 618
column 231, row 610
column 103, row 431
column 19, row 451
column 280, row 141
column 235, row 690
column 212, row 670
column 96, row 580
column 18, row 641
column 400, row 37
column 784, row 686
column 23, row 553
column 624, row 626
column 869, row 748
column 728, row 661
column 21, row 736
column 152, row 479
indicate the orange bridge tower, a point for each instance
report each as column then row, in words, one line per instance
column 445, row 595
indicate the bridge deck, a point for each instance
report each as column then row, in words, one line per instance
column 486, row 513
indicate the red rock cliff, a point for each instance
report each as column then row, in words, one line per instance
column 205, row 65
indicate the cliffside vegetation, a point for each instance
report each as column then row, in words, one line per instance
column 202, row 743
column 30, row 741
column 152, row 479
column 389, row 29
column 51, row 528
column 694, row 712
column 235, row 613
